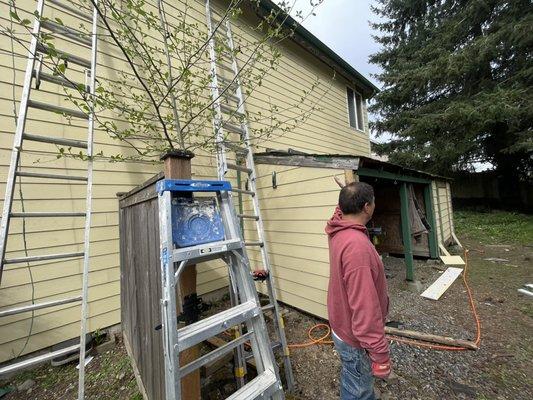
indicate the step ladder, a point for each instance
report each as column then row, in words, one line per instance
column 233, row 138
column 247, row 310
column 37, row 72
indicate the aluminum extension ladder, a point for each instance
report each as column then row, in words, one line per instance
column 247, row 309
column 36, row 73
column 233, row 137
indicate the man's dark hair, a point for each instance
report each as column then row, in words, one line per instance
column 354, row 196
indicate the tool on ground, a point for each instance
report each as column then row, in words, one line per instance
column 209, row 235
column 231, row 129
column 38, row 71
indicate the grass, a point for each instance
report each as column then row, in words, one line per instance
column 495, row 227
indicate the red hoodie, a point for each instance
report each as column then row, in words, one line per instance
column 357, row 294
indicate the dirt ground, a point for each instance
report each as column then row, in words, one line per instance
column 500, row 369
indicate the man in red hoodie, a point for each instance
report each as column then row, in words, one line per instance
column 357, row 294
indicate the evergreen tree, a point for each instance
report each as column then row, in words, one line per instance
column 457, row 77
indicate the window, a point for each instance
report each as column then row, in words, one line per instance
column 355, row 109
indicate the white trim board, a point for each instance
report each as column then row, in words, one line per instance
column 442, row 283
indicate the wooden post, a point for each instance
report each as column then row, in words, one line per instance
column 178, row 166
column 430, row 214
column 406, row 231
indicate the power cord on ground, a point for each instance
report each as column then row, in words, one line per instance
column 325, row 338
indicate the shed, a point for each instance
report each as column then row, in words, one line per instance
column 298, row 194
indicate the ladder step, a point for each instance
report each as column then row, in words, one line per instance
column 215, row 354
column 204, row 252
column 43, row 258
column 260, row 244
column 233, row 128
column 65, row 56
column 241, row 168
column 55, row 140
column 37, row 360
column 47, row 214
column 196, row 333
column 58, row 80
column 67, row 32
column 236, row 148
column 262, row 386
column 248, row 216
column 230, row 110
column 242, row 191
column 57, row 109
column 51, row 176
column 38, row 306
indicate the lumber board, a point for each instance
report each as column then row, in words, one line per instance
column 436, row 290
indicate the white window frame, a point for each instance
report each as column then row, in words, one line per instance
column 359, row 122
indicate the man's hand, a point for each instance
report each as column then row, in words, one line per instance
column 381, row 370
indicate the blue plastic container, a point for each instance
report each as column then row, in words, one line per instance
column 196, row 221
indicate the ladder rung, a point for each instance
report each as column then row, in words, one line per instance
column 51, row 176
column 47, row 214
column 38, row 306
column 42, row 258
column 229, row 110
column 215, row 354
column 248, row 216
column 231, row 97
column 233, row 128
column 262, row 386
column 37, row 360
column 73, row 10
column 66, row 31
column 54, row 140
column 196, row 333
column 241, row 168
column 236, row 148
column 57, row 109
column 223, row 66
column 260, row 244
column 58, row 80
column 65, row 56
column 242, row 191
column 267, row 307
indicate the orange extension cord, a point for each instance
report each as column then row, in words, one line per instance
column 323, row 339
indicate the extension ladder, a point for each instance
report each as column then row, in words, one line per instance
column 37, row 72
column 229, row 247
column 230, row 121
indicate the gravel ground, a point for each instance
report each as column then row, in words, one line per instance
column 500, row 369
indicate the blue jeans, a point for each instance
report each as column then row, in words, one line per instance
column 357, row 382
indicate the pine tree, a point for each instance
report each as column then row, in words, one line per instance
column 457, row 77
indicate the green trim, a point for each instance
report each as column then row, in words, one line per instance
column 374, row 173
column 430, row 214
column 406, row 232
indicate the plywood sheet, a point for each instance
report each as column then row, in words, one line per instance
column 442, row 283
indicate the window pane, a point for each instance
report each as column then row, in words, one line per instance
column 351, row 107
column 359, row 108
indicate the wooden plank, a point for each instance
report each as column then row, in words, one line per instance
column 311, row 160
column 452, row 260
column 442, row 283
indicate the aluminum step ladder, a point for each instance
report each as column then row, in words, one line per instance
column 247, row 310
column 233, row 138
column 36, row 73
